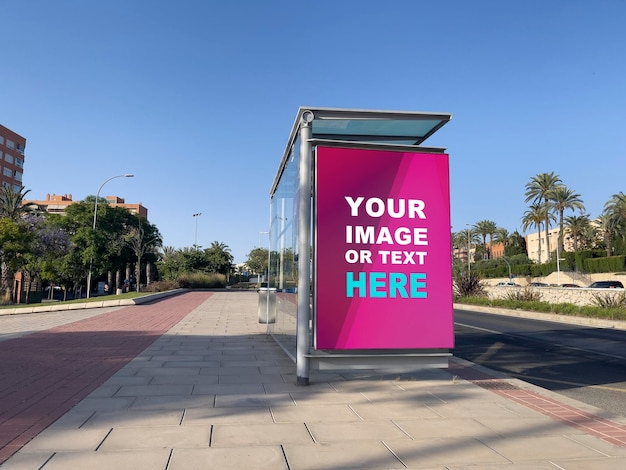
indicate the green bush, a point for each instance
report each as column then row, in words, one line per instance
column 201, row 280
column 524, row 295
column 609, row 300
column 466, row 285
column 613, row 313
column 607, row 264
column 161, row 286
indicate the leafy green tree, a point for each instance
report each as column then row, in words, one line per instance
column 560, row 199
column 219, row 258
column 257, row 260
column 15, row 240
column 538, row 190
column 50, row 246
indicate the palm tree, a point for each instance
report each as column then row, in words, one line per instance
column 484, row 228
column 608, row 229
column 615, row 208
column 537, row 191
column 11, row 202
column 577, row 226
column 561, row 198
column 535, row 216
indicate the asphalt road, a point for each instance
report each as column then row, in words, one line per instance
column 583, row 363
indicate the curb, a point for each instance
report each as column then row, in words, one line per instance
column 96, row 304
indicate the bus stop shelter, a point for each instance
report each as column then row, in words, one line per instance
column 360, row 265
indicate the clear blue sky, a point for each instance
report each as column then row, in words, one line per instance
column 197, row 98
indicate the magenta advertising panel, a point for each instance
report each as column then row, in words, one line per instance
column 383, row 253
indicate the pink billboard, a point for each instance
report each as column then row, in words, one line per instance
column 383, row 255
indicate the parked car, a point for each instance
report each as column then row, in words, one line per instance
column 538, row 284
column 569, row 285
column 607, row 285
column 508, row 284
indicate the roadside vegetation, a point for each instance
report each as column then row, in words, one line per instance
column 609, row 306
column 598, row 245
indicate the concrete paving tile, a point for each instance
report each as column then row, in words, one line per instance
column 445, row 428
column 104, row 391
column 476, row 409
column 343, row 455
column 309, row 414
column 183, row 379
column 543, row 447
column 523, row 426
column 269, row 399
column 153, row 390
column 154, row 459
column 72, row 419
column 222, row 371
column 27, row 460
column 66, row 440
column 598, row 444
column 247, row 415
column 232, row 435
column 587, row 464
column 179, row 358
column 130, row 418
column 127, row 371
column 287, row 369
column 120, row 380
column 371, row 411
column 507, row 466
column 155, row 371
column 173, row 402
column 325, row 398
column 228, row 389
column 98, row 404
column 251, row 379
column 156, row 437
column 288, row 387
column 173, row 362
column 364, row 386
column 445, row 452
column 260, row 458
column 355, row 431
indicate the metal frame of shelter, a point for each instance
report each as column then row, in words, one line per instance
column 348, row 128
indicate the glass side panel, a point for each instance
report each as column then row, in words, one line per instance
column 283, row 264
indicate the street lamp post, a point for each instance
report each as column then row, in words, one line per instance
column 468, row 250
column 195, row 237
column 95, row 215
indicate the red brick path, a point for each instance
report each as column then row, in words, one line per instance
column 43, row 375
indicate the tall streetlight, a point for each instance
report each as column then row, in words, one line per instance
column 95, row 215
column 469, row 231
column 195, row 237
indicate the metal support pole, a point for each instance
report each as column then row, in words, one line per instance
column 304, row 252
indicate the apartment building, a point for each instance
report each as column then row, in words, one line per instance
column 532, row 244
column 57, row 203
column 12, row 147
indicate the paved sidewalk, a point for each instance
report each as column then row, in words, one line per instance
column 214, row 391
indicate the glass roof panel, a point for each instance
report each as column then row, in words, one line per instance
column 374, row 127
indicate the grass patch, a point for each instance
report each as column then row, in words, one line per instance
column 607, row 312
